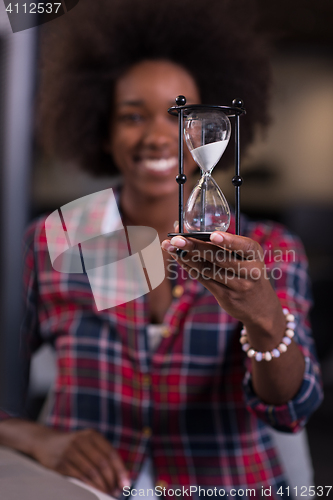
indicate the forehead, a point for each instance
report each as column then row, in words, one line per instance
column 154, row 81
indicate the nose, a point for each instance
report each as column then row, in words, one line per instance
column 160, row 133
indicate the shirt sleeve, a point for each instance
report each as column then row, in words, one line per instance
column 30, row 338
column 287, row 265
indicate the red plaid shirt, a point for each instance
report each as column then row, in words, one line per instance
column 190, row 403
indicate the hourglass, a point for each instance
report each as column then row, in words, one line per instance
column 207, row 130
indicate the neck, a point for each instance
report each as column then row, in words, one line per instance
column 158, row 212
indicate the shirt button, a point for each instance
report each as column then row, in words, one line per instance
column 177, row 291
column 162, row 484
column 146, row 380
column 166, row 332
column 146, row 431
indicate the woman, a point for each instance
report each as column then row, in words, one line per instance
column 194, row 406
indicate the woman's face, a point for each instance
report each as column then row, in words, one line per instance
column 143, row 136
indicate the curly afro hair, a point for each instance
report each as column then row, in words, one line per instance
column 86, row 50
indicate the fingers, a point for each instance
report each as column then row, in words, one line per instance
column 94, row 465
column 230, row 244
column 245, row 247
column 68, row 469
column 205, row 272
column 121, row 473
column 207, row 252
column 88, row 456
column 236, row 275
column 89, row 470
column 104, row 459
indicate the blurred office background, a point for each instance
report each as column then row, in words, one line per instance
column 288, row 174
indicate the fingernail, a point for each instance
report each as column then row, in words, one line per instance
column 216, row 238
column 178, row 241
column 175, row 224
column 125, row 482
column 166, row 245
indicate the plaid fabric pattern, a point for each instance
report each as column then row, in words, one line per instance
column 190, row 403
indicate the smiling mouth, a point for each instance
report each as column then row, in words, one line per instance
column 160, row 165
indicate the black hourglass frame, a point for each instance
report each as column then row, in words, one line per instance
column 234, row 111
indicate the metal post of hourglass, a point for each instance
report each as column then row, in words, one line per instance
column 181, row 177
column 203, row 197
column 231, row 111
column 237, row 181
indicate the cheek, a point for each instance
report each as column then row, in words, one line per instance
column 121, row 144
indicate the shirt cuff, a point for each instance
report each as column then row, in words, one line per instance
column 291, row 416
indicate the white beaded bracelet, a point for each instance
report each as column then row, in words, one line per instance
column 282, row 347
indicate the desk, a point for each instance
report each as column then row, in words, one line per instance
column 23, row 478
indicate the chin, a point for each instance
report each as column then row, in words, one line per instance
column 157, row 189
column 160, row 190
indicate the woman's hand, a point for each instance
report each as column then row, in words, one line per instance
column 240, row 285
column 85, row 455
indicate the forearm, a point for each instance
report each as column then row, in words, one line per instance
column 278, row 381
column 21, row 435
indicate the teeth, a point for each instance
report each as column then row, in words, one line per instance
column 160, row 165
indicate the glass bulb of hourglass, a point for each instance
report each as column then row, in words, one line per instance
column 207, row 133
column 207, row 209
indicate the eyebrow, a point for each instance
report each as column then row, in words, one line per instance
column 140, row 102
column 131, row 103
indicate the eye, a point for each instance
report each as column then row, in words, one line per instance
column 131, row 118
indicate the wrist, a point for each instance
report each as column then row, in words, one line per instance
column 19, row 434
column 265, row 319
column 267, row 329
column 38, row 438
column 265, row 351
